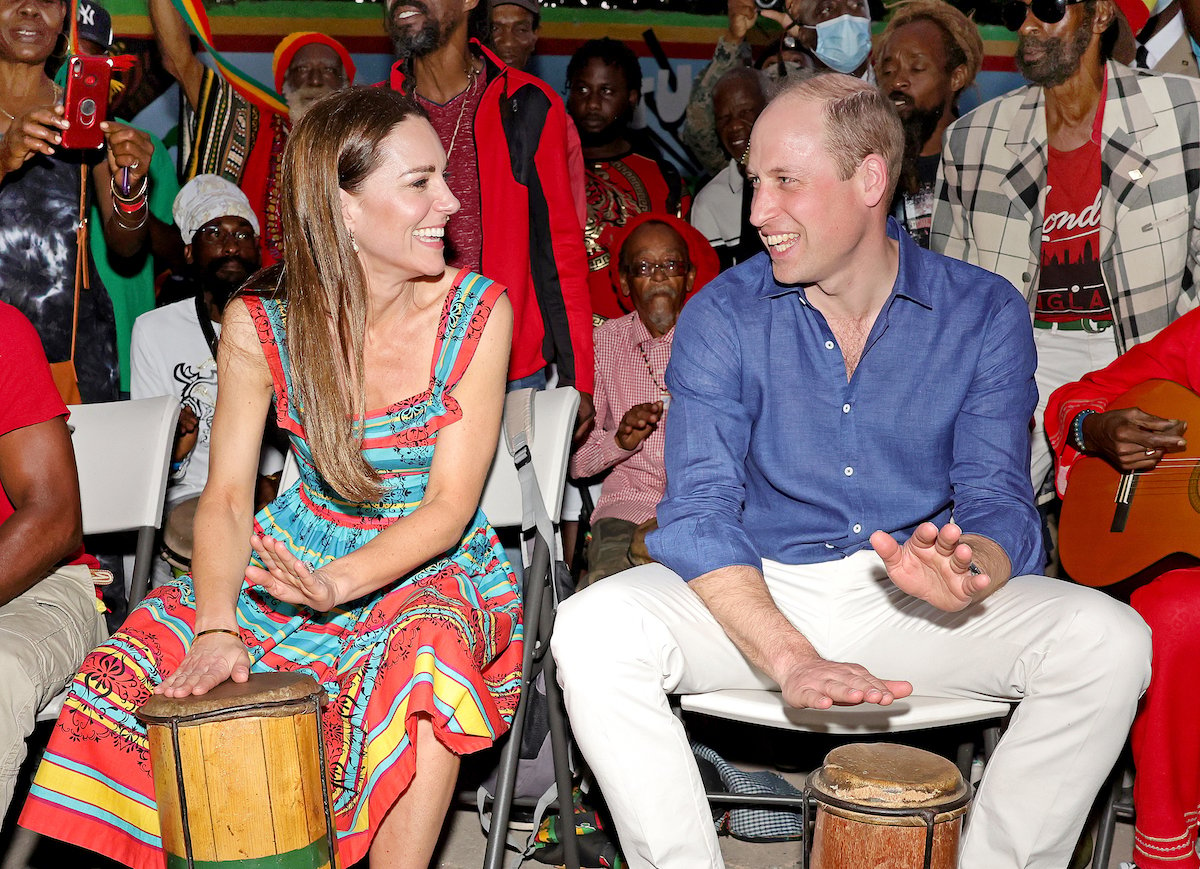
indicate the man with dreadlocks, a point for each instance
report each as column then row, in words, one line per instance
column 928, row 55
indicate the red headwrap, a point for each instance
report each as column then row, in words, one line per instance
column 700, row 252
column 293, row 42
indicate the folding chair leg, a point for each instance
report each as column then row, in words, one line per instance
column 506, row 776
column 142, row 560
column 562, row 764
column 1107, row 826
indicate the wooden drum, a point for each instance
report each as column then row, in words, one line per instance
column 886, row 806
column 239, row 775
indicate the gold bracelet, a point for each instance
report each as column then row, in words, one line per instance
column 132, row 197
column 231, row 633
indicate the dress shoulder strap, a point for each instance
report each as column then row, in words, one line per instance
column 463, row 319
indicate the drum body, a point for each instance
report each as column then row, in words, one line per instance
column 888, row 807
column 239, row 775
column 178, row 536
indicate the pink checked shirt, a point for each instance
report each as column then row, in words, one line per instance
column 630, row 365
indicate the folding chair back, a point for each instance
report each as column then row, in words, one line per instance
column 123, row 453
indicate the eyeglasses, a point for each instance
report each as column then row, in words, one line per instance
column 1047, row 11
column 217, row 235
column 671, row 268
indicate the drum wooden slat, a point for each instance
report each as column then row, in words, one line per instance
column 250, row 773
column 874, row 805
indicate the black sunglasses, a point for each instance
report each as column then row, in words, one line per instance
column 1048, row 11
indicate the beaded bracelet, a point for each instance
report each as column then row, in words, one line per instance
column 1077, row 429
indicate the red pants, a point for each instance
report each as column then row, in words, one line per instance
column 1166, row 732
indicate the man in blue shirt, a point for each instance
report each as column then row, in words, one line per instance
column 843, row 383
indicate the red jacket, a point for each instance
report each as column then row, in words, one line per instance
column 532, row 240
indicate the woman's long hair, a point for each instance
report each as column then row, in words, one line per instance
column 334, row 147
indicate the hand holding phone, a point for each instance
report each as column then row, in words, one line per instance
column 86, row 103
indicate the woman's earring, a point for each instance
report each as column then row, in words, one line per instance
column 353, row 243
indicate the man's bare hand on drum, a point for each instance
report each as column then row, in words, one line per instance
column 213, row 658
column 936, row 565
column 289, row 579
column 819, row 684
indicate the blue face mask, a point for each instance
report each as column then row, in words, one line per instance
column 843, row 43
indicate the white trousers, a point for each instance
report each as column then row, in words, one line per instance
column 44, row 634
column 1075, row 659
column 1063, row 357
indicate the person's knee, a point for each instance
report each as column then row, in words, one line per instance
column 604, row 624
column 1110, row 637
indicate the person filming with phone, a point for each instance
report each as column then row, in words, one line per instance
column 46, row 186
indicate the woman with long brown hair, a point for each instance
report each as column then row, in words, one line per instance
column 377, row 573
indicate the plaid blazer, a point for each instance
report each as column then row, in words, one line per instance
column 992, row 191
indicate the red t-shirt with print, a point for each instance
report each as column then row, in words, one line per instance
column 1071, row 285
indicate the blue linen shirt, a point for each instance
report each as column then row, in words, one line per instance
column 771, row 453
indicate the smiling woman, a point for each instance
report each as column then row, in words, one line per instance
column 45, row 189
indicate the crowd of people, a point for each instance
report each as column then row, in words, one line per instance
column 830, row 392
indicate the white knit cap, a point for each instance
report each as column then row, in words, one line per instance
column 208, row 197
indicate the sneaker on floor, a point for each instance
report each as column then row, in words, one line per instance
column 1128, row 866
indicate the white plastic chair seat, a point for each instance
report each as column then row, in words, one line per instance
column 756, row 706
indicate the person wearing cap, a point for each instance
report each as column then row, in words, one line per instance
column 130, row 280
column 513, row 30
column 928, row 55
column 228, row 135
column 1082, row 189
column 174, row 347
column 661, row 261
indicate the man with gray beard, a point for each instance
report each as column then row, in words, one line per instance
column 1081, row 190
column 227, row 134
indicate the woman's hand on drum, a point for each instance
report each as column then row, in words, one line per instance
column 211, row 660
column 38, row 131
column 289, row 579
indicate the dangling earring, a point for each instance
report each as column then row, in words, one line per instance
column 353, row 243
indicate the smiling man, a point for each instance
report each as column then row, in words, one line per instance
column 928, row 55
column 1082, row 189
column 833, row 404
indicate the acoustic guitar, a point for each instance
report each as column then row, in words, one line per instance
column 1114, row 525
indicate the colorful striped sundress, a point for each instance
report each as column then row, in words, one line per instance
column 444, row 642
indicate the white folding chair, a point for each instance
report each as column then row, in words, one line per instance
column 123, row 452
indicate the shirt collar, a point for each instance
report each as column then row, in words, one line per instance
column 909, row 284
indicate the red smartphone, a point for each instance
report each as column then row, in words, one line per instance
column 86, row 102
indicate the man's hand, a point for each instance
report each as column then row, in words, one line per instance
column 819, row 684
column 1131, row 439
column 638, row 423
column 585, row 418
column 742, row 15
column 187, row 430
column 933, row 565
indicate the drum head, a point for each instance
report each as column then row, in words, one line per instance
column 887, row 775
column 263, row 694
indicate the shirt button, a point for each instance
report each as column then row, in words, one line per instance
column 849, row 472
column 828, row 345
column 845, row 408
column 857, row 528
column 829, row 546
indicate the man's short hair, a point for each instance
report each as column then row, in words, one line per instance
column 749, row 74
column 960, row 36
column 859, row 121
column 611, row 53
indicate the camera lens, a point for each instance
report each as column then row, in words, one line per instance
column 776, row 5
